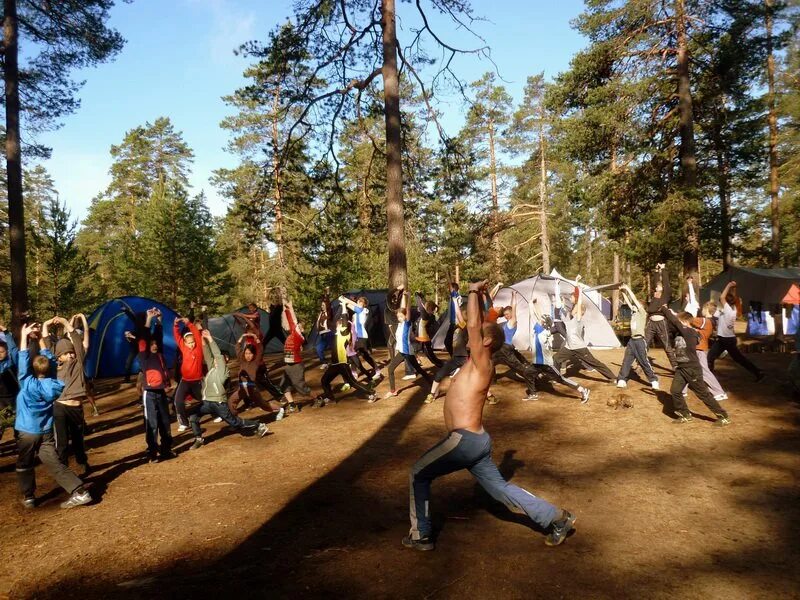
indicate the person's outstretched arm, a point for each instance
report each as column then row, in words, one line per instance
column 13, row 351
column 512, row 322
column 475, row 320
column 576, row 310
column 724, row 295
column 347, row 302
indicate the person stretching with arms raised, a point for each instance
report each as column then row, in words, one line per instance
column 636, row 348
column 468, row 445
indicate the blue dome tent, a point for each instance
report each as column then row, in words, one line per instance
column 109, row 349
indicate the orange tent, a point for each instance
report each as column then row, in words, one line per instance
column 792, row 296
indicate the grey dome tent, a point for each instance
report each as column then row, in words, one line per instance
column 226, row 330
column 598, row 331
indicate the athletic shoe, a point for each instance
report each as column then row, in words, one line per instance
column 561, row 528
column 530, row 397
column 390, row 394
column 318, row 403
column 262, row 430
column 429, row 398
column 721, row 397
column 621, row 383
column 218, row 420
column 153, row 458
column 373, row 398
column 409, row 377
column 281, row 414
column 197, row 443
column 377, row 376
column 323, row 366
column 345, row 387
column 722, row 421
column 654, row 385
column 585, row 395
column 29, row 503
column 182, row 428
column 682, row 418
column 291, row 408
column 326, row 401
column 492, row 399
column 77, row 499
column 425, row 543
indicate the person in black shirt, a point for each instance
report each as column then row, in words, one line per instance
column 656, row 325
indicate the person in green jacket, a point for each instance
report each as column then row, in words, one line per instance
column 215, row 396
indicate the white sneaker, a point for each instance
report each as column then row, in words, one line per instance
column 182, row 428
column 654, row 384
column 377, row 376
column 621, row 383
column 323, row 366
column 218, row 420
column 721, row 397
column 262, row 430
column 409, row 377
column 280, row 415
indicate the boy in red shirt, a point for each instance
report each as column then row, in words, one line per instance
column 191, row 369
column 155, row 383
column 294, row 373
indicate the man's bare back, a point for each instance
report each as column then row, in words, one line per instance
column 463, row 405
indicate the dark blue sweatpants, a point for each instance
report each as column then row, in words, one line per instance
column 463, row 449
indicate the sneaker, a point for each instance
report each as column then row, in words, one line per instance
column 654, row 385
column 345, row 387
column 722, row 421
column 77, row 499
column 682, row 418
column 585, row 395
column 429, row 398
column 218, row 420
column 262, row 430
column 561, row 528
column 621, row 383
column 291, row 408
column 197, row 443
column 323, row 366
column 424, row 543
column 326, row 401
column 492, row 399
column 373, row 398
column 721, row 397
column 531, row 397
column 390, row 394
column 182, row 428
column 29, row 503
column 409, row 377
column 377, row 376
column 153, row 458
column 281, row 414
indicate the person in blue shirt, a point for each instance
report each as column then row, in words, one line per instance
column 9, row 386
column 360, row 310
column 403, row 350
column 509, row 356
column 34, row 426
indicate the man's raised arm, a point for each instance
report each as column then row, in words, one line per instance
column 475, row 317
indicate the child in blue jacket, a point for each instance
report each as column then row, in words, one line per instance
column 34, row 425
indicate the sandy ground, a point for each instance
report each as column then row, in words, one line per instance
column 318, row 508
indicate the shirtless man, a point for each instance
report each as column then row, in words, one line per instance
column 468, row 446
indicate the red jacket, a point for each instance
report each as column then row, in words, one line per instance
column 293, row 347
column 192, row 366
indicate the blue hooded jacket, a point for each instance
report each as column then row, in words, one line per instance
column 35, row 399
column 12, row 359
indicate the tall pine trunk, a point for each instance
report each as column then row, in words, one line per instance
column 16, row 211
column 545, row 239
column 496, row 259
column 722, row 188
column 278, row 194
column 688, row 159
column 772, row 119
column 395, row 218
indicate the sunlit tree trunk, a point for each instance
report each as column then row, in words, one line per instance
column 394, row 171
column 278, row 198
column 545, row 239
column 496, row 258
column 772, row 119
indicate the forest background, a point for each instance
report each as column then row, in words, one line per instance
column 673, row 136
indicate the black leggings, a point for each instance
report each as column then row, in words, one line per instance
column 408, row 359
column 186, row 387
column 720, row 345
column 507, row 355
column 427, row 348
column 335, row 370
column 68, row 427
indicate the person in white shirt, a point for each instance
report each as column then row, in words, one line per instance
column 726, row 336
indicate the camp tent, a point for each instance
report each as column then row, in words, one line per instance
column 766, row 286
column 109, row 349
column 603, row 303
column 598, row 331
column 444, row 324
column 226, row 330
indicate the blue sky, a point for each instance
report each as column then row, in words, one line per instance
column 178, row 62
